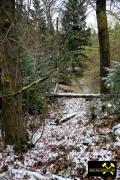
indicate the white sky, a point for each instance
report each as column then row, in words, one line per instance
column 91, row 19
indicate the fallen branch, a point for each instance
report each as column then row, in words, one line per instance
column 64, row 119
column 59, row 178
column 32, row 174
column 36, row 175
column 26, row 87
column 56, row 87
column 43, row 127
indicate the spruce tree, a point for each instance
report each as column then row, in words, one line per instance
column 75, row 31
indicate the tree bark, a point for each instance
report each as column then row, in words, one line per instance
column 104, row 44
column 13, row 126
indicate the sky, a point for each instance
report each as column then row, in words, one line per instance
column 91, row 19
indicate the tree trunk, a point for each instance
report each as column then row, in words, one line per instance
column 103, row 35
column 13, row 126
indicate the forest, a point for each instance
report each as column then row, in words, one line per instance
column 59, row 89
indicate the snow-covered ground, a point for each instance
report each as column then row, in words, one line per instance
column 66, row 147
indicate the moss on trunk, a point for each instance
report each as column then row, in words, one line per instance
column 103, row 35
column 13, row 125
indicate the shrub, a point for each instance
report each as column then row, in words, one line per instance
column 113, row 82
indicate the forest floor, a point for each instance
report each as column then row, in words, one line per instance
column 70, row 138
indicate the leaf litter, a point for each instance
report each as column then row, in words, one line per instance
column 65, row 147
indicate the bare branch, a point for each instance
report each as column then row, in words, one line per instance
column 113, row 14
column 34, row 83
column 91, row 3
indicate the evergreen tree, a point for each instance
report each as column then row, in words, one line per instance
column 75, row 31
column 34, row 65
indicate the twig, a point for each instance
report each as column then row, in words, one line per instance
column 7, row 34
column 113, row 14
column 91, row 4
column 43, row 127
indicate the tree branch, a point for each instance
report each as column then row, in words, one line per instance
column 113, row 14
column 26, row 87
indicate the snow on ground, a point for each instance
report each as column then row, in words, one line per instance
column 66, row 147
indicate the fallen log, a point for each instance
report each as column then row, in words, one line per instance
column 73, row 95
column 35, row 175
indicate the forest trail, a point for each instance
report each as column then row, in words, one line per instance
column 65, row 148
column 78, row 85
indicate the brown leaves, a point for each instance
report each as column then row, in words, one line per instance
column 117, row 154
column 39, row 163
column 4, row 168
column 60, row 165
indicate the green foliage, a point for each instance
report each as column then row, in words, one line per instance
column 27, row 64
column 75, row 31
column 113, row 136
column 74, row 16
column 62, row 50
column 35, row 63
column 114, row 41
column 33, row 98
column 113, row 82
column 92, row 71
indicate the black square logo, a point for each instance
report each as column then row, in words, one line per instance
column 102, row 168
